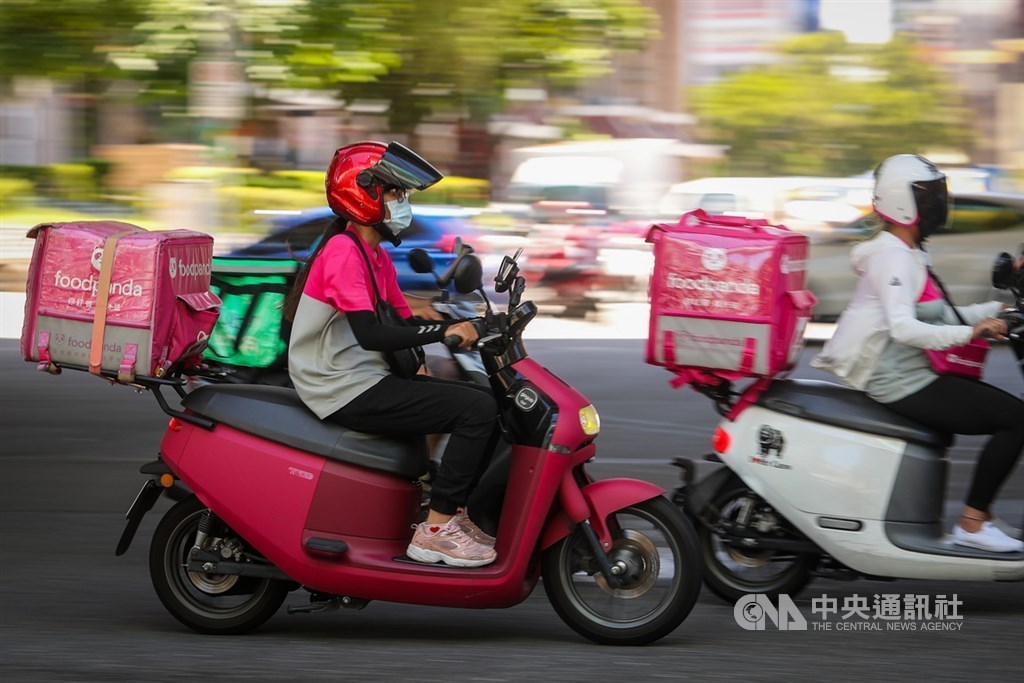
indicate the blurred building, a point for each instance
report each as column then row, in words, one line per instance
column 36, row 124
column 981, row 45
column 979, row 42
column 699, row 41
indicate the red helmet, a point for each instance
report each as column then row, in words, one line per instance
column 360, row 203
column 359, row 174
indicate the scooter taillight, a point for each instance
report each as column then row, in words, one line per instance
column 721, row 441
column 174, row 425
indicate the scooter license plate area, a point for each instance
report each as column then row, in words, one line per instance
column 144, row 500
column 142, row 504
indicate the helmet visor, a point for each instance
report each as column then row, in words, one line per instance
column 932, row 198
column 403, row 168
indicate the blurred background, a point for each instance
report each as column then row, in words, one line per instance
column 566, row 127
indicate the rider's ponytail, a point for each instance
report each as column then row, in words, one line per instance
column 291, row 302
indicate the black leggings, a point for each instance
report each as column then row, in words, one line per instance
column 428, row 405
column 962, row 406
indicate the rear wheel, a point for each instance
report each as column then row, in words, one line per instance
column 208, row 603
column 732, row 572
column 656, row 549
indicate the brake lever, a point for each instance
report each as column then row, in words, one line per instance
column 483, row 341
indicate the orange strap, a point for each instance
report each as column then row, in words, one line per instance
column 99, row 322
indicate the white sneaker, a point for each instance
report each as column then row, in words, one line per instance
column 989, row 538
column 1011, row 531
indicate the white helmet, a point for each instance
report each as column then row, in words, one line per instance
column 910, row 190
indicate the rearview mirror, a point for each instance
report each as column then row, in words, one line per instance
column 420, row 261
column 469, row 274
column 1002, row 272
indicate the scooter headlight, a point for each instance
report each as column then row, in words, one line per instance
column 590, row 421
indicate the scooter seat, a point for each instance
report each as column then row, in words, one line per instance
column 279, row 415
column 847, row 408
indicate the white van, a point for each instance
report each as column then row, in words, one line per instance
column 623, row 176
column 803, row 203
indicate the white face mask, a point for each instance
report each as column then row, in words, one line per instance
column 400, row 216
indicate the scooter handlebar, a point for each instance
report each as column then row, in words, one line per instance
column 1014, row 318
column 452, row 341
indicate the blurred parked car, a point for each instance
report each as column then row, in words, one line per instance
column 982, row 226
column 433, row 228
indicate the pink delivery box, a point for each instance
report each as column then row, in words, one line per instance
column 728, row 295
column 116, row 298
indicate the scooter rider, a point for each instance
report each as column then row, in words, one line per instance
column 897, row 312
column 335, row 355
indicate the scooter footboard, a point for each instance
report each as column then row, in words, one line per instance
column 602, row 499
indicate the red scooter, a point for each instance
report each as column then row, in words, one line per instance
column 271, row 499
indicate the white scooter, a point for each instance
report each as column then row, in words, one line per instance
column 819, row 480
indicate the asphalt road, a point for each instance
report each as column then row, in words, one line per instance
column 70, row 448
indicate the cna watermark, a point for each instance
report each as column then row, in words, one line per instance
column 879, row 612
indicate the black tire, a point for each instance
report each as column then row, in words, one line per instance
column 730, row 572
column 652, row 602
column 207, row 603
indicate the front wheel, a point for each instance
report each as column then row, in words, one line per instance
column 208, row 603
column 656, row 548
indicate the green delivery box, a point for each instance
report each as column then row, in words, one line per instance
column 250, row 332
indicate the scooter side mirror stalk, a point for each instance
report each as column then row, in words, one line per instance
column 517, row 293
column 463, row 251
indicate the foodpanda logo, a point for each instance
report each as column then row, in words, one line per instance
column 97, row 257
column 713, row 258
column 788, row 265
column 178, row 268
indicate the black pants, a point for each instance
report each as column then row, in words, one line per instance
column 962, row 406
column 428, row 405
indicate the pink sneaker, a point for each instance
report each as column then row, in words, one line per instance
column 448, row 543
column 472, row 530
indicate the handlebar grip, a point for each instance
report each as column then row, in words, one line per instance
column 452, row 341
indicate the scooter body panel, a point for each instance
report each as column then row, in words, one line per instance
column 278, row 498
column 820, row 469
column 847, row 491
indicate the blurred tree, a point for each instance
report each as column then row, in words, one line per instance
column 455, row 60
column 69, row 41
column 831, row 107
column 448, row 59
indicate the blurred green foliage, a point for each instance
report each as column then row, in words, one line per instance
column 452, row 58
column 76, row 182
column 457, row 191
column 458, row 57
column 311, row 181
column 982, row 219
column 831, row 108
column 69, row 40
column 14, row 191
column 238, row 204
column 220, row 174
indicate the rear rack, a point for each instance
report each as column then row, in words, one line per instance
column 154, row 385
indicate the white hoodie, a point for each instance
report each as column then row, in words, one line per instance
column 892, row 277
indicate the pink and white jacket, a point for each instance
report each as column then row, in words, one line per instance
column 892, row 276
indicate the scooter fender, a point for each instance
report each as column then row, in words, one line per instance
column 602, row 498
column 701, row 493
